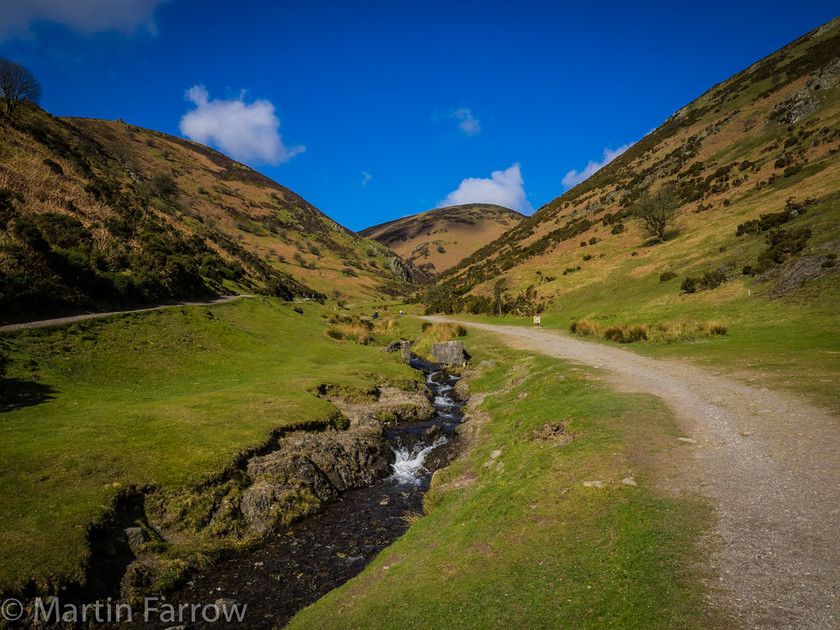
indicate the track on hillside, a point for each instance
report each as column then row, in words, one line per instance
column 76, row 318
column 768, row 460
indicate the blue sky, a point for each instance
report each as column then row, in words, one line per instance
column 375, row 110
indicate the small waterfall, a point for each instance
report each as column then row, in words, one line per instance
column 409, row 462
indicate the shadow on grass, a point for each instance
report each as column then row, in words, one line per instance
column 16, row 393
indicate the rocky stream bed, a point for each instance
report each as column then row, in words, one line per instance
column 298, row 564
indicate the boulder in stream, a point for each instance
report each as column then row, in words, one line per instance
column 451, row 353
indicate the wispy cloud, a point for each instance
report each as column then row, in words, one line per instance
column 366, row 177
column 245, row 132
column 469, row 124
column 573, row 178
column 83, row 16
column 503, row 188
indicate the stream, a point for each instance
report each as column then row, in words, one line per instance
column 300, row 564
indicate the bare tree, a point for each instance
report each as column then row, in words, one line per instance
column 17, row 84
column 657, row 211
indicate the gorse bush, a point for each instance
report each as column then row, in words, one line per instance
column 709, row 280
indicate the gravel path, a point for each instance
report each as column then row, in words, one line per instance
column 769, row 461
column 75, row 318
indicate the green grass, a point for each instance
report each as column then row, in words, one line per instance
column 164, row 399
column 527, row 545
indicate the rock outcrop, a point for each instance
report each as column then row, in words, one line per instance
column 450, row 353
column 308, row 470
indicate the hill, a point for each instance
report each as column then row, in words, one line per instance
column 99, row 213
column 753, row 171
column 438, row 239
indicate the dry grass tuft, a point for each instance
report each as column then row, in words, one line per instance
column 585, row 328
column 358, row 333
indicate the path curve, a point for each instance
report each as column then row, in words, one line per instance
column 769, row 461
column 76, row 318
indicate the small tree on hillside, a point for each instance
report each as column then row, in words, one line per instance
column 17, row 84
column 656, row 211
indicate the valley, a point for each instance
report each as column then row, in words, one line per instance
column 209, row 389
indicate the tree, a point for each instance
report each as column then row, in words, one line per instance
column 656, row 211
column 17, row 84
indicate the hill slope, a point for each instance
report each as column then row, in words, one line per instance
column 98, row 213
column 764, row 143
column 436, row 240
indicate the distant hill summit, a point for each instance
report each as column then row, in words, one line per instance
column 99, row 214
column 748, row 176
column 436, row 240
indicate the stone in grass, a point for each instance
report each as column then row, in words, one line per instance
column 594, row 484
column 687, row 440
column 451, row 353
column 135, row 536
column 629, row 481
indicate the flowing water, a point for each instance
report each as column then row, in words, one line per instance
column 300, row 564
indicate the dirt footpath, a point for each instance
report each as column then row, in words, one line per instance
column 769, row 461
column 76, row 318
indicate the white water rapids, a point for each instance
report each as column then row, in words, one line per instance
column 410, row 462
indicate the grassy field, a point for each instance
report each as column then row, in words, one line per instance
column 515, row 539
column 164, row 399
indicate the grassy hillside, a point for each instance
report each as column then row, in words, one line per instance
column 162, row 401
column 436, row 240
column 753, row 169
column 97, row 213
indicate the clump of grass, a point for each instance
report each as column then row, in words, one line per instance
column 682, row 329
column 359, row 333
column 716, row 328
column 384, row 325
column 621, row 333
column 614, row 333
column 686, row 329
column 585, row 328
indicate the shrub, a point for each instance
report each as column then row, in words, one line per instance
column 667, row 275
column 614, row 333
column 585, row 328
column 618, row 228
column 689, row 285
column 636, row 333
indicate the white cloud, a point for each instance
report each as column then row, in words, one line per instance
column 366, row 177
column 83, row 16
column 503, row 188
column 469, row 125
column 245, row 132
column 573, row 178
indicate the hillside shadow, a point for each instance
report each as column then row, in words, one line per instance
column 16, row 393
